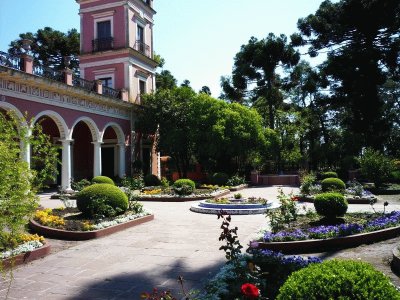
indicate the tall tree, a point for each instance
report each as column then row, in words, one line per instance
column 206, row 90
column 165, row 80
column 50, row 46
column 255, row 69
column 363, row 45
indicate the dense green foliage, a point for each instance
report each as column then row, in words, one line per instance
column 329, row 175
column 330, row 205
column 184, row 187
column 375, row 166
column 103, row 179
column 102, row 200
column 49, row 46
column 338, row 279
column 219, row 178
column 333, row 184
column 306, row 182
column 80, row 185
column 19, row 183
column 151, row 180
column 198, row 128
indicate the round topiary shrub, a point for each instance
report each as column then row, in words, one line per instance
column 219, row 178
column 184, row 186
column 151, row 180
column 103, row 179
column 338, row 279
column 329, row 175
column 333, row 184
column 102, row 199
column 330, row 205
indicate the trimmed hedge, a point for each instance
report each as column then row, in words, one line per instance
column 330, row 205
column 329, row 174
column 184, row 187
column 151, row 180
column 102, row 199
column 338, row 279
column 103, row 179
column 333, row 184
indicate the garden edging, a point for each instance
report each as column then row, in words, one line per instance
column 323, row 245
column 26, row 257
column 85, row 235
column 184, row 199
column 349, row 200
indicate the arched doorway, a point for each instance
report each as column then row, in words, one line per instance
column 82, row 151
column 113, row 151
column 51, row 129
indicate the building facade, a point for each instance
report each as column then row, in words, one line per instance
column 91, row 116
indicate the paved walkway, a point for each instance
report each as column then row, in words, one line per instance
column 121, row 266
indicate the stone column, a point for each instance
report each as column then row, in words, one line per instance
column 66, row 173
column 97, row 158
column 26, row 149
column 121, row 165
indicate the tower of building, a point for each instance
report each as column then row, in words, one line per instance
column 117, row 45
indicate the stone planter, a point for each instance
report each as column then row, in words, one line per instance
column 26, row 257
column 238, row 187
column 310, row 246
column 85, row 235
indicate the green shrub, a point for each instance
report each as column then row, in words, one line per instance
column 184, row 186
column 395, row 176
column 219, row 179
column 376, row 166
column 133, row 183
column 306, row 182
column 338, row 279
column 330, row 205
column 236, row 180
column 103, row 179
column 151, row 180
column 80, row 185
column 333, row 184
column 102, row 199
column 329, row 175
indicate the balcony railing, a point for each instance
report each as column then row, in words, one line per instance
column 103, row 44
column 10, row 61
column 142, row 48
column 48, row 72
column 83, row 83
column 110, row 92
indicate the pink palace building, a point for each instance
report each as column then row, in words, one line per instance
column 92, row 117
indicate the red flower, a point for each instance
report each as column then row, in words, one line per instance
column 250, row 291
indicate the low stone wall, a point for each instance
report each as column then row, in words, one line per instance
column 269, row 179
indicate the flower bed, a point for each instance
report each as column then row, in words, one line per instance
column 33, row 248
column 366, row 198
column 324, row 237
column 71, row 226
column 176, row 198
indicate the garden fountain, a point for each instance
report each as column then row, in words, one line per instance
column 234, row 206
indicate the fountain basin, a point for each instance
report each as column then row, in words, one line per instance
column 232, row 209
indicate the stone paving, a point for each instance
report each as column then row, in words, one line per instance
column 121, row 266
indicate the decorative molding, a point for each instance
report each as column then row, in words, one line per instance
column 102, row 7
column 104, row 14
column 37, row 94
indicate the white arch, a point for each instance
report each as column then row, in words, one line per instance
column 92, row 127
column 118, row 131
column 61, row 124
column 9, row 107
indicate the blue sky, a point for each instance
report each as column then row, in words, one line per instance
column 198, row 39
